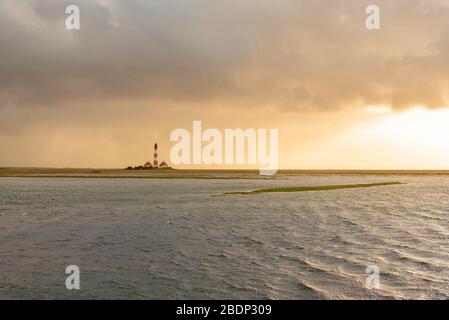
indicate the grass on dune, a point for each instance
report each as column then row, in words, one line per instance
column 316, row 188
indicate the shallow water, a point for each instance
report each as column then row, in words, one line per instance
column 169, row 238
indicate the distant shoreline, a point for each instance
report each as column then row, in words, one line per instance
column 194, row 174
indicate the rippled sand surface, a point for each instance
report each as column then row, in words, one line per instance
column 170, row 238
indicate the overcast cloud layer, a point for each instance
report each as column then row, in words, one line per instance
column 290, row 53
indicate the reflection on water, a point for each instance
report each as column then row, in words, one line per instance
column 167, row 238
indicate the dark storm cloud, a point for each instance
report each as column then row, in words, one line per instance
column 289, row 54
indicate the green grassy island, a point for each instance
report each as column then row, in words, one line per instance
column 316, row 188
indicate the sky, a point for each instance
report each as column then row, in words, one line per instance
column 340, row 95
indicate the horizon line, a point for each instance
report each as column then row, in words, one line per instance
column 218, row 169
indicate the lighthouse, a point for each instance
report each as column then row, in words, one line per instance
column 155, row 162
column 154, row 165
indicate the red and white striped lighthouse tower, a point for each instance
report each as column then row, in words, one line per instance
column 155, row 162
